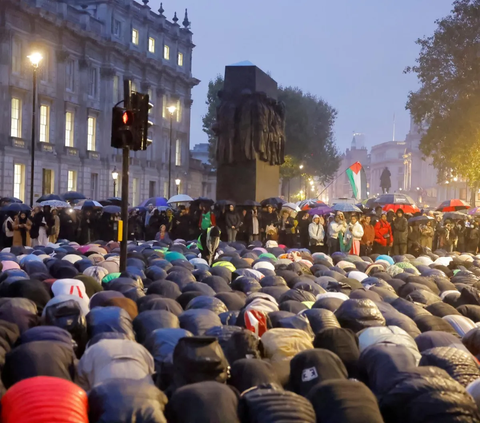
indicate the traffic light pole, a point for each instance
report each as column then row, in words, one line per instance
column 125, row 179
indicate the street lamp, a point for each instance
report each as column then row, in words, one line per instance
column 177, row 183
column 114, row 177
column 301, row 167
column 35, row 59
column 171, row 110
column 455, row 179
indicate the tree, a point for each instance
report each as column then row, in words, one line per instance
column 448, row 101
column 309, row 130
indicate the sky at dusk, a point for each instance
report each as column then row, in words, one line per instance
column 351, row 53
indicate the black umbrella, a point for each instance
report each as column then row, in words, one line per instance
column 16, row 207
column 421, row 219
column 396, row 199
column 455, row 216
column 112, row 209
column 203, row 200
column 9, row 200
column 48, row 197
column 224, row 203
column 73, row 195
column 273, row 201
column 117, row 201
column 251, row 203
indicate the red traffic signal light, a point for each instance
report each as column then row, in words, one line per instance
column 127, row 118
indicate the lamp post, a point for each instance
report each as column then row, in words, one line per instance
column 177, row 183
column 114, row 177
column 35, row 59
column 171, row 110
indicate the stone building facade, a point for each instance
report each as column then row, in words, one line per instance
column 89, row 47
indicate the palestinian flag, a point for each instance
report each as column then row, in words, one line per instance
column 358, row 180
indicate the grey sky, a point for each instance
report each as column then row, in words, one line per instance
column 349, row 52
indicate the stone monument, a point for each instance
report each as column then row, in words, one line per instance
column 250, row 129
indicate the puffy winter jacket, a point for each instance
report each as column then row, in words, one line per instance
column 359, row 314
column 383, row 229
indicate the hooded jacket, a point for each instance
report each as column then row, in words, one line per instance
column 383, row 229
column 316, row 232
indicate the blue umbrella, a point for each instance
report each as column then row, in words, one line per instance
column 154, row 201
column 346, row 208
column 48, row 197
column 16, row 207
column 8, row 200
column 112, row 209
column 73, row 195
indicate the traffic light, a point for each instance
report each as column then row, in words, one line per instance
column 124, row 130
column 141, row 106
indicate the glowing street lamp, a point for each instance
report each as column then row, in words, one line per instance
column 114, row 177
column 177, row 183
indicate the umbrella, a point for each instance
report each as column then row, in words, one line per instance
column 117, row 201
column 251, row 203
column 370, row 203
column 16, row 207
column 73, row 195
column 474, row 212
column 455, row 216
column 224, row 203
column 395, row 199
column 180, row 198
column 83, row 204
column 273, row 201
column 405, row 207
column 163, row 208
column 203, row 200
column 48, row 197
column 453, row 205
column 112, row 209
column 346, row 208
column 421, row 219
column 55, row 203
column 9, row 200
column 291, row 206
column 320, row 210
column 154, row 201
column 310, row 204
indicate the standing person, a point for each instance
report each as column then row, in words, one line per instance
column 414, row 236
column 285, row 226
column 316, row 233
column 304, row 229
column 153, row 225
column 21, row 230
column 461, row 235
column 438, row 228
column 473, row 238
column 383, row 236
column 252, row 225
column 400, row 234
column 355, row 229
column 87, row 225
column 366, row 243
column 446, row 237
column 426, row 235
column 181, row 225
column 8, row 230
column 55, row 228
column 269, row 223
column 336, row 226
column 207, row 218
column 38, row 233
column 233, row 222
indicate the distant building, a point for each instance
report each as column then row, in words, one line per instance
column 89, row 47
column 202, row 180
column 200, row 152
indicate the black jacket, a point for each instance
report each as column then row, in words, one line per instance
column 232, row 219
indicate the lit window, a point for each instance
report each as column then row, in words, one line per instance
column 165, row 188
column 44, row 123
column 19, row 181
column 72, row 180
column 178, row 153
column 180, row 59
column 17, row 57
column 92, row 87
column 70, row 75
column 48, row 181
column 166, row 52
column 179, row 111
column 135, row 191
column 16, row 123
column 150, row 99
column 134, row 36
column 91, row 133
column 116, row 83
column 133, row 87
column 69, row 120
column 151, row 45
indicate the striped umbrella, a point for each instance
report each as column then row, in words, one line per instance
column 474, row 212
column 453, row 205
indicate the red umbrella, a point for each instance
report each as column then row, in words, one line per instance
column 453, row 205
column 405, row 207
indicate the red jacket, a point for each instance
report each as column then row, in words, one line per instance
column 382, row 228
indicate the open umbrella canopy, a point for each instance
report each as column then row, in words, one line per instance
column 224, row 203
column 55, row 203
column 474, row 212
column 321, row 211
column 396, row 198
column 310, row 204
column 291, row 206
column 250, row 203
column 48, row 197
column 15, row 207
column 112, row 209
column 346, row 208
column 180, row 198
column 9, row 200
column 86, row 204
column 420, row 219
column 116, row 201
column 203, row 200
column 73, row 195
column 154, row 201
column 453, row 205
column 405, row 207
column 273, row 201
column 455, row 216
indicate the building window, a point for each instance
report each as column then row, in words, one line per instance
column 44, row 66
column 151, row 45
column 72, row 180
column 133, row 87
column 150, row 99
column 16, row 123
column 180, row 59
column 166, row 52
column 44, row 123
column 179, row 111
column 116, row 27
column 70, row 75
column 92, row 82
column 17, row 58
column 116, row 88
column 135, row 192
column 164, row 106
column 135, row 36
column 178, row 153
column 94, row 185
column 165, row 188
column 152, row 187
column 47, row 181
column 69, row 125
column 19, row 181
column 91, row 133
